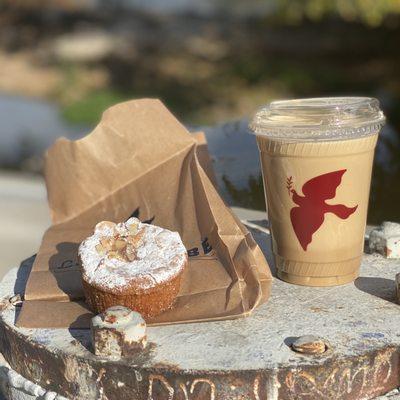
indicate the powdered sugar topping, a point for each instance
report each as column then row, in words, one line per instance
column 159, row 255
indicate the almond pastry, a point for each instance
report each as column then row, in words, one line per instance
column 132, row 264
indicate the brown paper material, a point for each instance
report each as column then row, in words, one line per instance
column 141, row 161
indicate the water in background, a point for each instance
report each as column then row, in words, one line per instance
column 28, row 127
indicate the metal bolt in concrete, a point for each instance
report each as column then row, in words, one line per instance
column 309, row 344
column 16, row 300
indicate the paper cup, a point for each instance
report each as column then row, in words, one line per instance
column 317, row 183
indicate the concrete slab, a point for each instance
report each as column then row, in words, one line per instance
column 244, row 358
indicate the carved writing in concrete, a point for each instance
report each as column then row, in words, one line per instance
column 187, row 389
column 356, row 378
column 365, row 378
column 168, row 388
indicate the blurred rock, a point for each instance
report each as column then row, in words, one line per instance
column 84, row 47
column 207, row 47
column 21, row 74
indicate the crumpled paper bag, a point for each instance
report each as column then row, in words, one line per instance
column 140, row 161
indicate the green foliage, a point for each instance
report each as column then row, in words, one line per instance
column 88, row 110
column 370, row 12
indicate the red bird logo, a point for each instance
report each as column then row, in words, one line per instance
column 309, row 214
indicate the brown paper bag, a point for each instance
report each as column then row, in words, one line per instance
column 141, row 161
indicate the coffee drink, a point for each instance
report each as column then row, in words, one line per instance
column 316, row 157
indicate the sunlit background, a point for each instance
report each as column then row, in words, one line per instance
column 62, row 62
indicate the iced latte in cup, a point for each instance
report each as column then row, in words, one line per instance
column 316, row 157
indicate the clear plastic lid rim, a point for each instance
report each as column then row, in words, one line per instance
column 328, row 124
column 325, row 134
